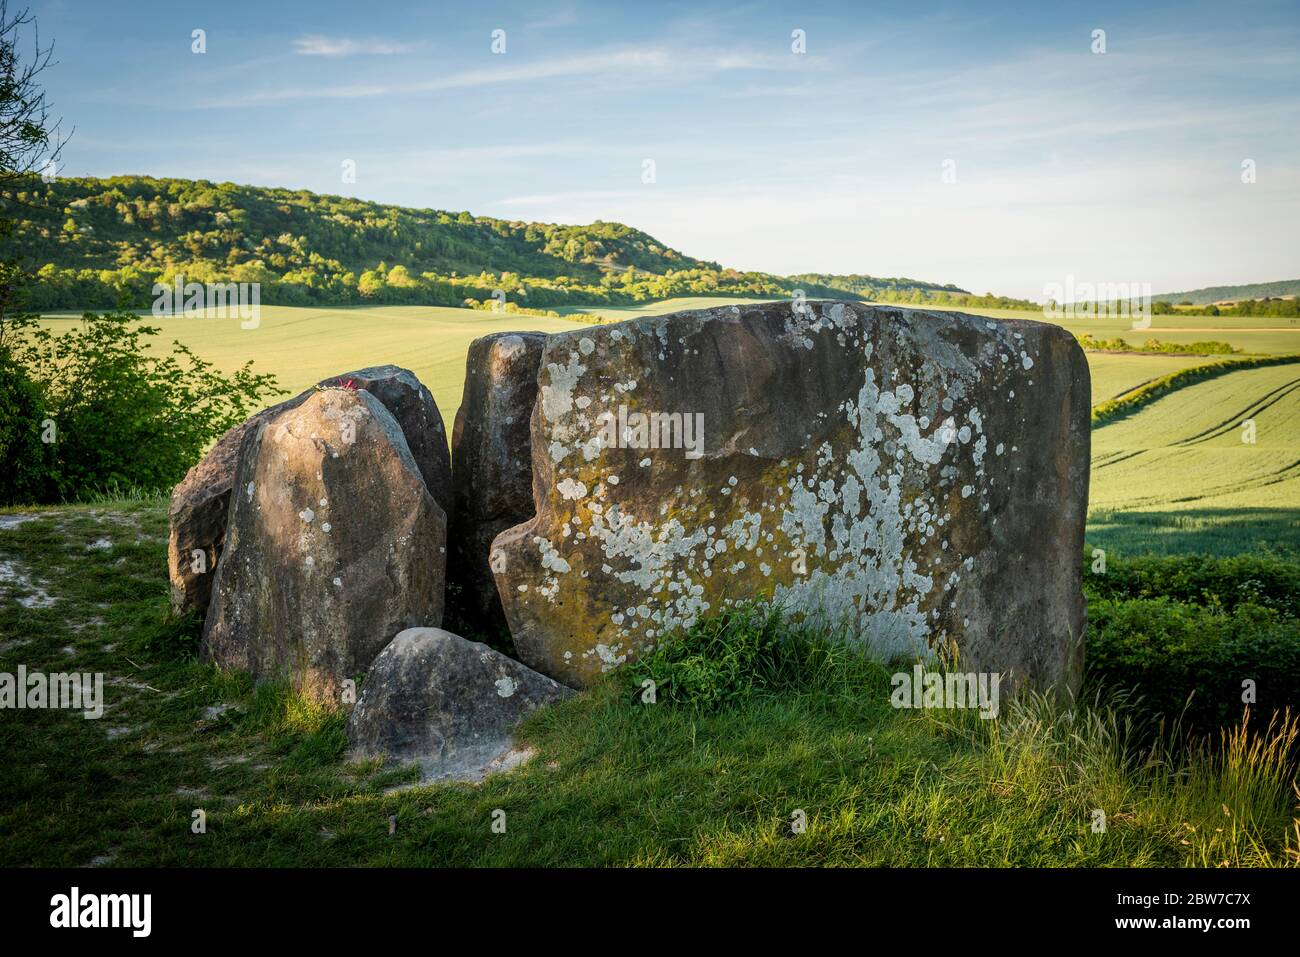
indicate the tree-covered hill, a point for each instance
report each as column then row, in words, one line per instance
column 90, row 242
column 914, row 292
column 868, row 286
column 1259, row 290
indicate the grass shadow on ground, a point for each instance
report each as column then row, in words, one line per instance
column 1198, row 531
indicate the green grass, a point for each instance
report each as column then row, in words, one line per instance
column 1137, row 398
column 1152, row 456
column 1162, row 530
column 769, row 723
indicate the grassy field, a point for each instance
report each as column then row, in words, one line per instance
column 302, row 345
column 1113, row 375
column 613, row 781
column 1177, row 475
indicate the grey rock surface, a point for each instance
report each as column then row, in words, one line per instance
column 492, row 463
column 446, row 703
column 200, row 502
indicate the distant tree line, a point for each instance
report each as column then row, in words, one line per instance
column 1277, row 308
column 912, row 292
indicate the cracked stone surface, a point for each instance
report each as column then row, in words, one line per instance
column 492, row 466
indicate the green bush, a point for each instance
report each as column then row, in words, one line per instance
column 719, row 661
column 26, row 476
column 1180, row 656
column 121, row 413
column 1201, row 580
column 1207, row 348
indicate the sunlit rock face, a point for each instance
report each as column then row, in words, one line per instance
column 920, row 478
column 200, row 503
column 334, row 545
column 417, row 415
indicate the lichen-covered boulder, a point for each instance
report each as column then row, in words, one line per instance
column 334, row 545
column 919, row 477
column 492, row 460
column 448, row 704
column 200, row 502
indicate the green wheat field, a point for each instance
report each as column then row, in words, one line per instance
column 1172, row 477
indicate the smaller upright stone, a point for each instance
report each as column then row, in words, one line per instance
column 492, row 464
column 412, row 405
column 200, row 502
column 197, row 515
column 334, row 544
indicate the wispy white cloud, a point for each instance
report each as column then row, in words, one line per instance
column 626, row 64
column 1124, row 166
column 318, row 45
column 631, row 59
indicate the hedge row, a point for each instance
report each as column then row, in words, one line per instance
column 1130, row 402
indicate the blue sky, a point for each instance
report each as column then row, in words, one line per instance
column 1117, row 167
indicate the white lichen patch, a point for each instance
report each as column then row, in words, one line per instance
column 14, row 579
column 571, row 489
column 557, row 393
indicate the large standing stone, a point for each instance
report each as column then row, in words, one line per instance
column 446, row 703
column 493, row 465
column 334, row 545
column 921, row 477
column 200, row 502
